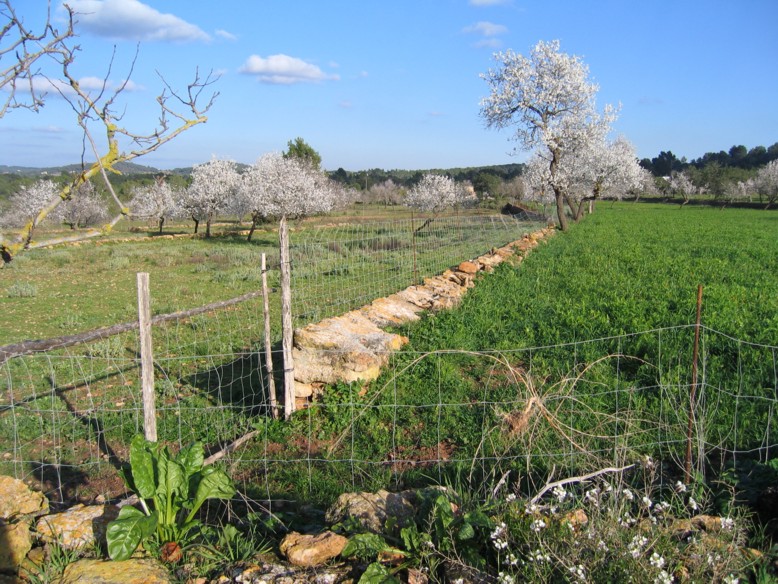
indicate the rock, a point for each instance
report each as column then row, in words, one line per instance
column 16, row 543
column 345, row 348
column 276, row 573
column 468, row 268
column 312, row 550
column 391, row 311
column 576, row 519
column 371, row 510
column 78, row 526
column 18, row 500
column 142, row 571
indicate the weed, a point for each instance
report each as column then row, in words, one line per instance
column 22, row 290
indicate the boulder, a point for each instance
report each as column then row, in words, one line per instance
column 309, row 551
column 17, row 500
column 78, row 526
column 142, row 571
column 345, row 348
column 16, row 543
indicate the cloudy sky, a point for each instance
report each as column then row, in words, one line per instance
column 395, row 84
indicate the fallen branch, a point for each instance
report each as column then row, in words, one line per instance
column 578, row 479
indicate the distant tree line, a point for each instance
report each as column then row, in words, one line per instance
column 736, row 157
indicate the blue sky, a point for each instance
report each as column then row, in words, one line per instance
column 395, row 84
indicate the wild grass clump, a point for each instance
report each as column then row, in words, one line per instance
column 22, row 290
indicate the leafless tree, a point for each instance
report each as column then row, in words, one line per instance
column 99, row 111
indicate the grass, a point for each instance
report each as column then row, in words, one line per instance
column 575, row 359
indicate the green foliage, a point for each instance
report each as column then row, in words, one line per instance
column 171, row 490
column 299, row 148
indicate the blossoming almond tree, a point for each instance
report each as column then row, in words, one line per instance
column 214, row 183
column 434, row 193
column 286, row 187
column 27, row 202
column 766, row 182
column 156, row 201
column 550, row 100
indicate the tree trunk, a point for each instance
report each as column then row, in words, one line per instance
column 560, row 209
column 254, row 220
column 197, row 224
column 161, row 223
column 208, row 228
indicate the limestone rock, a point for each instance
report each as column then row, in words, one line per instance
column 16, row 543
column 312, row 550
column 371, row 510
column 78, row 526
column 345, row 348
column 18, row 500
column 105, row 572
column 276, row 573
column 391, row 311
column 468, row 268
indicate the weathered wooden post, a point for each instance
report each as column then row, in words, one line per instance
column 146, row 358
column 286, row 318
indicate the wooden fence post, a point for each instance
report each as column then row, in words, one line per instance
column 286, row 318
column 693, row 394
column 271, row 383
column 146, row 358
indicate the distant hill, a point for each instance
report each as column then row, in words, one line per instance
column 123, row 167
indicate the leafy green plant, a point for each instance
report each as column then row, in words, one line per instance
column 170, row 489
column 50, row 570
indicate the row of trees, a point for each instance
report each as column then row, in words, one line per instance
column 289, row 184
column 737, row 157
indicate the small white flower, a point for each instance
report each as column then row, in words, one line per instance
column 537, row 525
column 560, row 493
column 647, row 502
column 635, row 547
column 504, row 578
column 602, row 546
column 680, row 487
column 532, row 508
column 578, row 572
column 693, row 504
column 648, row 462
column 727, row 523
column 731, row 579
column 656, row 560
column 510, row 497
column 511, row 560
column 628, row 495
column 663, row 578
column 539, row 557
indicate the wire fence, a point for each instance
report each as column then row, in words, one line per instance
column 531, row 412
column 338, row 268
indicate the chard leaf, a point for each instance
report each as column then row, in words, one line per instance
column 142, row 464
column 125, row 533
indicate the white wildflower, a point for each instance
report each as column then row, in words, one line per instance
column 539, row 557
column 629, row 495
column 647, row 502
column 663, row 578
column 510, row 497
column 656, row 560
column 560, row 493
column 693, row 505
column 537, row 525
column 727, row 523
column 731, row 579
column 511, row 560
column 578, row 572
column 680, row 487
column 504, row 578
column 532, row 508
column 635, row 547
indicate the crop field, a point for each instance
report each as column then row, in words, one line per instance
column 577, row 359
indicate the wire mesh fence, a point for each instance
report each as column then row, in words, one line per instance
column 341, row 267
column 531, row 412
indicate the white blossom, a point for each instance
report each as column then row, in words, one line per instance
column 214, row 183
column 28, row 202
column 434, row 193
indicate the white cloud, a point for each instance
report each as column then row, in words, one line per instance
column 284, row 70
column 132, row 19
column 488, row 29
column 226, row 35
column 97, row 84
